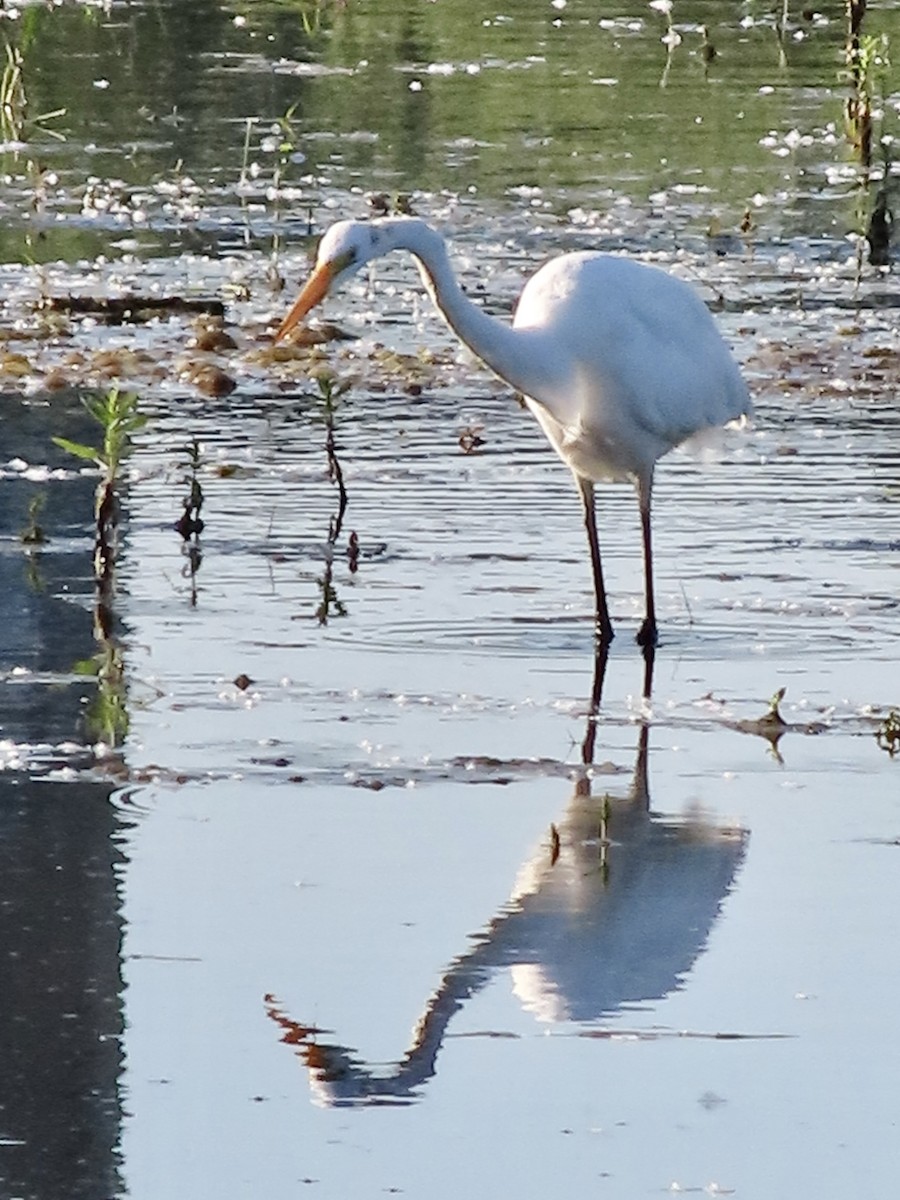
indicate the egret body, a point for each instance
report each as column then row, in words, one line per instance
column 618, row 361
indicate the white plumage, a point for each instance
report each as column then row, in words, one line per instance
column 619, row 361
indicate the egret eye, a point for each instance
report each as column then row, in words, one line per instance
column 345, row 260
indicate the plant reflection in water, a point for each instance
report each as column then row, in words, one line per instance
column 330, row 604
column 612, row 914
column 190, row 524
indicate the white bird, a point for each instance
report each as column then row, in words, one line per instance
column 618, row 361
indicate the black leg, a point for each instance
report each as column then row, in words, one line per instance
column 649, row 657
column 647, row 633
column 604, row 627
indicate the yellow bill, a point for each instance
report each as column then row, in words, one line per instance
column 314, row 292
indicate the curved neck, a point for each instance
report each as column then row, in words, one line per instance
column 515, row 355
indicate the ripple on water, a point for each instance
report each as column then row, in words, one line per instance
column 770, row 555
column 495, row 558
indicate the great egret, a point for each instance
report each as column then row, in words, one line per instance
column 618, row 361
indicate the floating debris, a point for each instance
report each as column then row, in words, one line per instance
column 209, row 379
column 318, row 334
column 470, row 439
column 213, row 340
column 888, row 733
column 130, row 309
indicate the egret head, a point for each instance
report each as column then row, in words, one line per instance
column 344, row 248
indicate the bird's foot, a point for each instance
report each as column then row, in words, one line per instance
column 604, row 633
column 647, row 635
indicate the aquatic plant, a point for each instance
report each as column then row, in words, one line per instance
column 12, row 95
column 330, row 390
column 858, row 105
column 867, row 58
column 311, row 16
column 190, row 524
column 116, row 412
column 868, row 63
column 281, row 139
column 888, row 733
column 670, row 39
column 781, row 25
column 17, row 128
column 287, row 152
column 33, row 534
column 15, row 123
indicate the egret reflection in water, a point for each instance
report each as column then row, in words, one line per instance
column 609, row 915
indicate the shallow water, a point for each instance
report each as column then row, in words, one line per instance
column 369, row 903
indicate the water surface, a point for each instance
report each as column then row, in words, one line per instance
column 322, row 878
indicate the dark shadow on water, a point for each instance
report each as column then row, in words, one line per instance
column 60, row 929
column 610, row 914
column 61, row 1011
